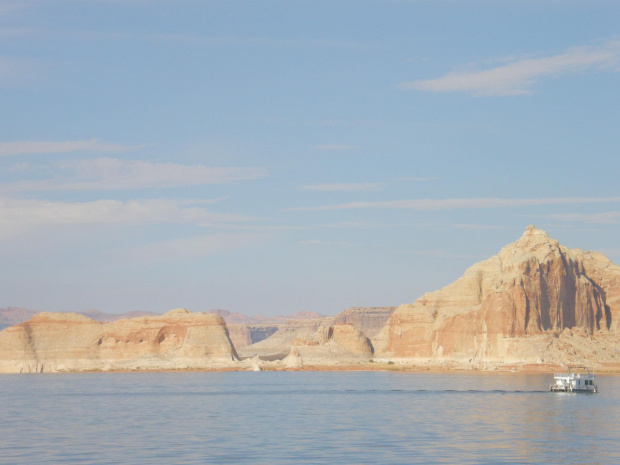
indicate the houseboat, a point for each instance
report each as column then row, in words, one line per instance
column 574, row 381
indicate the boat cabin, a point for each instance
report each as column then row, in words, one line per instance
column 574, row 381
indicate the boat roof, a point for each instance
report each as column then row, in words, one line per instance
column 575, row 373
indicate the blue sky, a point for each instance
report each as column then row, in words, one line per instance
column 269, row 157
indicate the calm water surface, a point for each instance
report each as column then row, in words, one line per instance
column 304, row 418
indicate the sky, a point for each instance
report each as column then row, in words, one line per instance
column 269, row 157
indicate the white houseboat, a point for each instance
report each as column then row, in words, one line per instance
column 574, row 382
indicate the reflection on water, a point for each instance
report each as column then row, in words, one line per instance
column 305, row 418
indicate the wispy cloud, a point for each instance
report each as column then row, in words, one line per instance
column 18, row 215
column 519, row 75
column 317, row 242
column 32, row 213
column 345, row 187
column 311, row 227
column 115, row 174
column 417, row 178
column 476, row 227
column 612, row 217
column 19, row 168
column 45, row 147
column 456, row 204
column 196, row 246
column 336, row 147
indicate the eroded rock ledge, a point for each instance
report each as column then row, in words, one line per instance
column 51, row 342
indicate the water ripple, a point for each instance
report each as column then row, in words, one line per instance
column 304, row 418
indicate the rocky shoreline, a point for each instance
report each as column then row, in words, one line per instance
column 536, row 306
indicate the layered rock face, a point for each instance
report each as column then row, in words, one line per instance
column 534, row 286
column 368, row 320
column 243, row 335
column 247, row 330
column 338, row 343
column 13, row 315
column 279, row 343
column 70, row 342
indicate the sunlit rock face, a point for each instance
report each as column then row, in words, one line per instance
column 279, row 343
column 533, row 286
column 70, row 342
column 329, row 345
column 368, row 320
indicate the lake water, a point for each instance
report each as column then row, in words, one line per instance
column 304, row 418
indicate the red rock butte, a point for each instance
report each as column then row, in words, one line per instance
column 536, row 302
column 532, row 287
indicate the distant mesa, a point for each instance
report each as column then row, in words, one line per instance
column 338, row 343
column 534, row 303
column 367, row 320
column 51, row 342
column 13, row 315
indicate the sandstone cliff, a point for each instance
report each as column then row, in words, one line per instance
column 334, row 344
column 515, row 306
column 243, row 335
column 243, row 329
column 368, row 320
column 71, row 342
column 14, row 315
column 100, row 316
column 247, row 330
column 278, row 345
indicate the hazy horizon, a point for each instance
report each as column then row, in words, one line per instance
column 276, row 157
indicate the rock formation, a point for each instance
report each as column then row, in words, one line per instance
column 533, row 287
column 247, row 330
column 100, row 316
column 71, row 342
column 13, row 315
column 278, row 345
column 243, row 335
column 368, row 320
column 534, row 302
column 243, row 329
column 339, row 343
